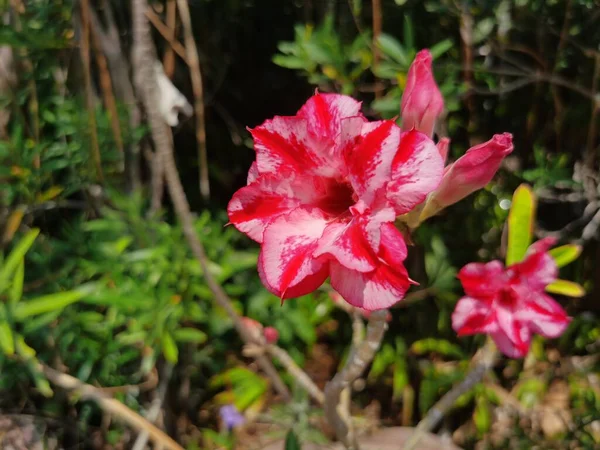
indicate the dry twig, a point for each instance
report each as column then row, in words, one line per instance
column 196, row 74
column 358, row 360
column 110, row 405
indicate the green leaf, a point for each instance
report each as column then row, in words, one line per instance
column 520, row 224
column 565, row 254
column 46, row 303
column 290, row 62
column 190, row 335
column 16, row 290
column 441, row 346
column 291, row 441
column 408, row 33
column 482, row 416
column 16, row 256
column 7, row 342
column 566, row 288
column 392, row 48
column 169, row 348
column 440, row 48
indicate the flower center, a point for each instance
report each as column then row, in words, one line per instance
column 338, row 199
column 508, row 296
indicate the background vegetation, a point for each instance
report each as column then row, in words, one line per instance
column 97, row 283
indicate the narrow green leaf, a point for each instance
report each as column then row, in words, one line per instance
column 440, row 48
column 520, row 224
column 482, row 416
column 190, row 335
column 392, row 48
column 408, row 33
column 291, row 441
column 567, row 288
column 169, row 348
column 16, row 290
column 22, row 348
column 565, row 254
column 46, row 303
column 7, row 342
column 16, row 256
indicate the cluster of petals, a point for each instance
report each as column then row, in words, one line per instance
column 327, row 186
column 510, row 304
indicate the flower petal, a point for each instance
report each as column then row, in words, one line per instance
column 378, row 289
column 507, row 346
column 422, row 101
column 356, row 244
column 544, row 315
column 256, row 205
column 471, row 172
column 517, row 332
column 416, row 171
column 382, row 287
column 324, row 112
column 481, row 280
column 369, row 161
column 286, row 259
column 282, row 144
column 538, row 268
column 472, row 316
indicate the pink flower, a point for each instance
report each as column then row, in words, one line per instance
column 271, row 335
column 510, row 303
column 469, row 173
column 322, row 197
column 422, row 101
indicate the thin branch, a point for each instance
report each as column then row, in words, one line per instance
column 107, row 89
column 110, row 405
column 196, row 75
column 358, row 360
column 165, row 32
column 85, row 59
column 296, row 372
column 590, row 150
column 486, row 359
column 377, row 26
column 155, row 407
column 169, row 56
column 144, row 64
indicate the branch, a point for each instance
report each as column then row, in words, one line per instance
column 358, row 360
column 487, row 358
column 147, row 84
column 166, row 33
column 295, row 371
column 196, row 75
column 110, row 405
column 84, row 49
column 377, row 25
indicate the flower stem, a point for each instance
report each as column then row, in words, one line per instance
column 486, row 359
column 358, row 360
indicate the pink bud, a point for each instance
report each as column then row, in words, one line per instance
column 271, row 335
column 471, row 172
column 422, row 101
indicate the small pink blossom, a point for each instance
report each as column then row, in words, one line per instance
column 422, row 101
column 510, row 304
column 271, row 335
column 471, row 172
column 259, row 333
column 322, row 198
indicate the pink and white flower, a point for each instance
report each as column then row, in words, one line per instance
column 510, row 304
column 322, row 197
